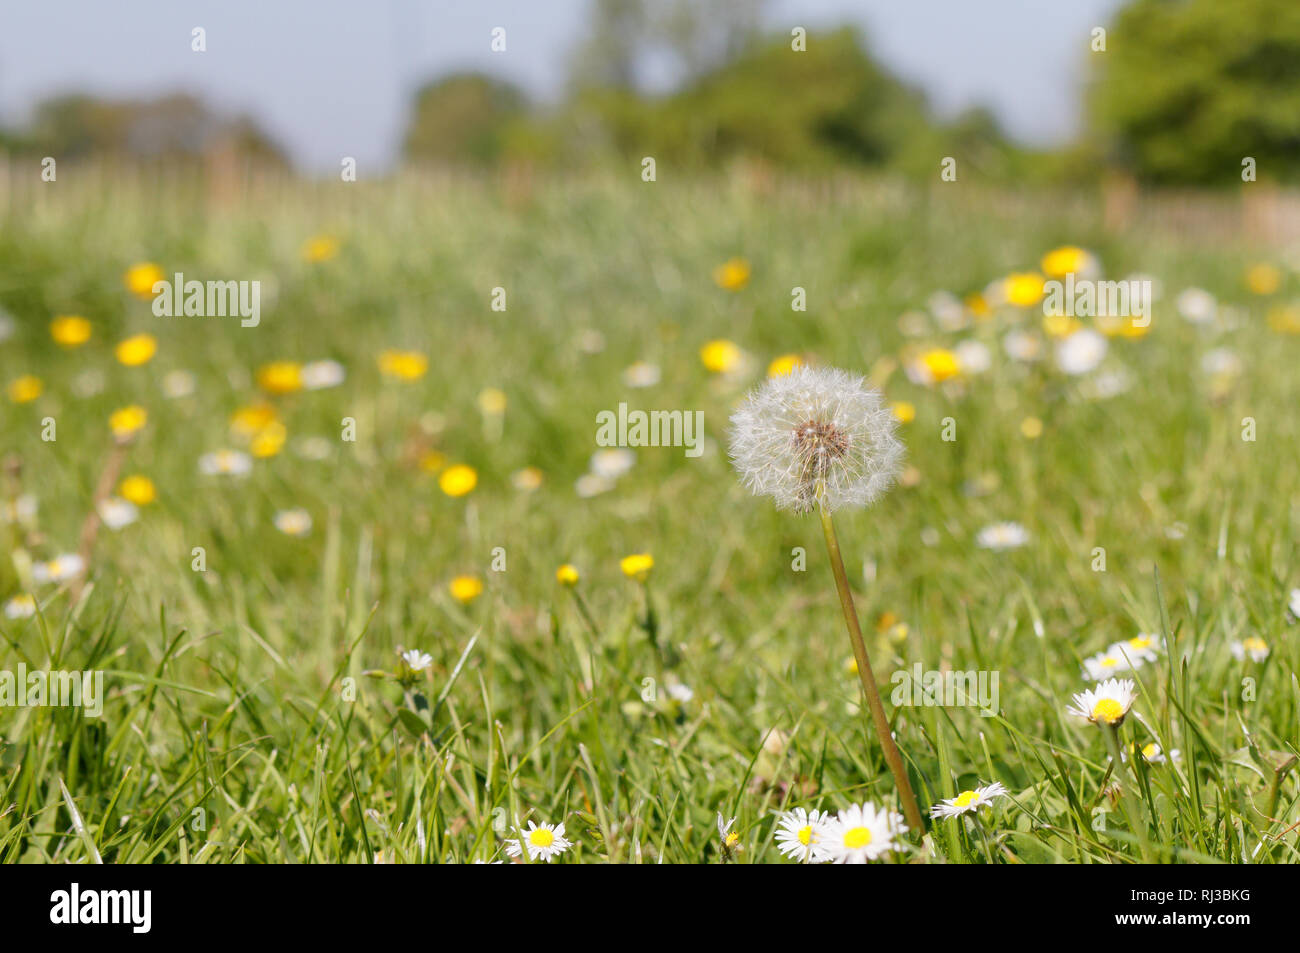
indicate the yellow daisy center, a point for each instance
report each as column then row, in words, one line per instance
column 541, row 837
column 856, row 837
column 1107, row 710
column 1139, row 642
column 1109, row 661
column 965, row 799
column 805, row 835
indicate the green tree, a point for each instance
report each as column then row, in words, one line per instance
column 1187, row 88
column 463, row 118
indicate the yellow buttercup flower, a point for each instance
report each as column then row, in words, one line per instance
column 1263, row 279
column 637, row 566
column 492, row 401
column 720, row 356
column 732, row 275
column 1031, row 428
column 904, row 411
column 141, row 277
column 320, row 248
column 404, row 365
column 269, row 440
column 1285, row 320
column 25, row 389
column 280, row 377
column 1024, row 288
column 783, row 365
column 127, row 421
column 940, row 364
column 251, row 419
column 567, row 575
column 70, row 330
column 458, row 480
column 465, row 589
column 978, row 305
column 136, row 350
column 137, row 489
column 1060, row 325
column 1068, row 259
column 432, row 461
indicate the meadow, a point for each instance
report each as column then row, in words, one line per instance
column 412, row 456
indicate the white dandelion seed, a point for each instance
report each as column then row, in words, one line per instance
column 799, row 833
column 968, row 802
column 816, row 436
column 1107, row 704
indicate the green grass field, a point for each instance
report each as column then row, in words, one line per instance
column 244, row 722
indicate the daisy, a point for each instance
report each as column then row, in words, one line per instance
column 592, row 484
column 798, row 833
column 295, row 522
column 641, row 374
column 1080, row 352
column 1110, row 662
column 1022, row 346
column 1197, row 305
column 59, row 569
column 1152, row 753
column 319, row 375
column 225, row 463
column 117, row 512
column 860, row 833
column 545, row 842
column 730, row 839
column 1106, row 704
column 816, row 436
column 1002, row 536
column 1253, row 646
column 177, row 384
column 416, row 660
column 22, row 510
column 973, row 357
column 1143, row 647
column 612, row 463
column 21, row 606
column 968, row 802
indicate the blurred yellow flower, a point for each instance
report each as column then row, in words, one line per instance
column 529, row 478
column 70, row 330
column 783, row 365
column 1060, row 325
column 567, row 575
column 904, row 411
column 492, row 401
column 1127, row 327
column 141, row 277
column 1068, row 259
column 978, row 305
column 637, row 566
column 269, row 440
column 136, row 350
column 1285, row 320
column 458, row 480
column 1024, row 288
column 137, row 489
column 432, row 461
column 405, row 365
column 732, row 275
column 1263, row 279
column 465, row 589
column 128, row 421
column 25, row 389
column 1031, row 428
column 251, row 419
column 940, row 364
column 280, row 377
column 320, row 248
column 720, row 356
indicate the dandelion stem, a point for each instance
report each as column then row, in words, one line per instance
column 892, row 756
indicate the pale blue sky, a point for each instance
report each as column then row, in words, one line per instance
column 332, row 77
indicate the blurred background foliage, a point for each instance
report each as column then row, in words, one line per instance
column 1183, row 91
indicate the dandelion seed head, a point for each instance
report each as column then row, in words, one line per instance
column 816, row 430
